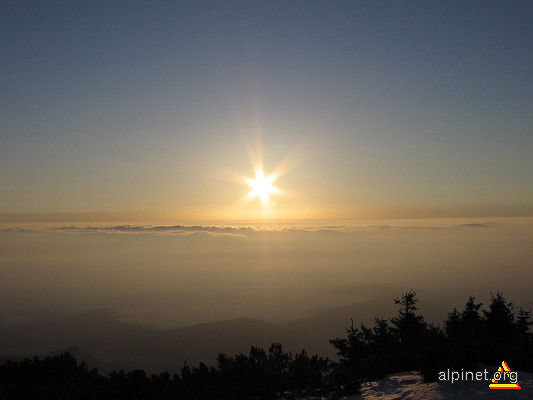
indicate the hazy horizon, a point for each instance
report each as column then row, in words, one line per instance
column 175, row 275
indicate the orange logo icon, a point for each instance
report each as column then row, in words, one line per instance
column 509, row 378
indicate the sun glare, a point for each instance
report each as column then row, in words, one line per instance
column 262, row 186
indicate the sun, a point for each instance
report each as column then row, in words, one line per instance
column 262, row 186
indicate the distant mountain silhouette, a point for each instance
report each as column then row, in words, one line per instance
column 203, row 342
column 469, row 339
column 114, row 342
column 313, row 333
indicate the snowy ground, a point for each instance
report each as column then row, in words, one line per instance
column 408, row 385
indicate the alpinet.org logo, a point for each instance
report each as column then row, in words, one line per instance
column 504, row 378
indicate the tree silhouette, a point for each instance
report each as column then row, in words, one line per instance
column 470, row 337
column 410, row 329
column 499, row 328
column 465, row 332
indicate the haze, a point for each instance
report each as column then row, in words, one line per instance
column 180, row 275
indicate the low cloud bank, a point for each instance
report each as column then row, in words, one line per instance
column 244, row 230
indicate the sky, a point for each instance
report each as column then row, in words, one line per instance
column 362, row 109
